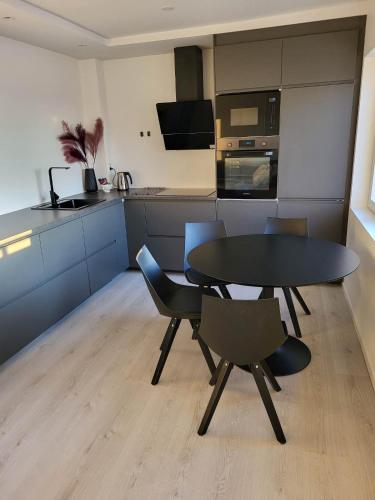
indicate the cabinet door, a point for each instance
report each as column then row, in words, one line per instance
column 248, row 65
column 325, row 217
column 100, row 228
column 315, row 125
column 169, row 218
column 168, row 252
column 121, row 238
column 26, row 318
column 324, row 57
column 135, row 228
column 103, row 266
column 21, row 268
column 62, row 247
column 245, row 216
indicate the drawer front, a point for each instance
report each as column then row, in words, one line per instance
column 245, row 216
column 100, row 228
column 62, row 247
column 168, row 252
column 26, row 318
column 103, row 266
column 169, row 218
column 21, row 268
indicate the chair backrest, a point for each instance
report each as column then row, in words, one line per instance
column 242, row 331
column 156, row 280
column 197, row 233
column 293, row 227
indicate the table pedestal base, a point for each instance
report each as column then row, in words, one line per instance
column 292, row 357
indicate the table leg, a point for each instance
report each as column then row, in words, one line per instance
column 292, row 311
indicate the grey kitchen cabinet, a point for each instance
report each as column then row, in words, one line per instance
column 62, row 247
column 27, row 317
column 325, row 217
column 45, row 276
column 245, row 216
column 315, row 126
column 168, row 252
column 168, row 218
column 248, row 65
column 103, row 266
column 21, row 268
column 105, row 241
column 319, row 58
column 121, row 237
column 100, row 228
column 135, row 228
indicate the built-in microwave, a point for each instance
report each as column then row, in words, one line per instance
column 248, row 114
column 247, row 168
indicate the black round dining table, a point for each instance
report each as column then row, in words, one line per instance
column 273, row 261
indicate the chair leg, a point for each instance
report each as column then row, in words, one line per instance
column 217, row 371
column 215, row 397
column 292, row 311
column 207, row 355
column 270, row 376
column 165, row 348
column 204, row 348
column 171, row 323
column 267, row 401
column 225, row 292
column 300, row 300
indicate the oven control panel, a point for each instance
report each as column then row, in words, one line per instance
column 248, row 143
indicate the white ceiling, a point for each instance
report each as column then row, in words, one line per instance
column 121, row 28
column 115, row 18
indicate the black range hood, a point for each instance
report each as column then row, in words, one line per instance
column 187, row 123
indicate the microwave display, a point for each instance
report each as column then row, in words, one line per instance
column 241, row 117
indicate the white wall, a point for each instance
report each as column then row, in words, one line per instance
column 360, row 286
column 38, row 89
column 133, row 87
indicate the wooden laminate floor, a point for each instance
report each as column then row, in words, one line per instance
column 79, row 418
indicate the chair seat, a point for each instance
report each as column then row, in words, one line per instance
column 200, row 279
column 185, row 302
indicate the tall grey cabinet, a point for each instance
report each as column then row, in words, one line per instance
column 317, row 67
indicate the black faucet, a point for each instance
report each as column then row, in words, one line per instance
column 53, row 195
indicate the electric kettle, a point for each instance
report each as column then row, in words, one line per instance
column 122, row 181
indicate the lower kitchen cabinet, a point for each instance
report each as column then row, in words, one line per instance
column 103, row 266
column 168, row 252
column 106, row 245
column 161, row 226
column 48, row 275
column 168, row 218
column 27, row 317
column 325, row 217
column 135, row 228
column 245, row 216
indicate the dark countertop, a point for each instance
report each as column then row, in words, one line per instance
column 27, row 222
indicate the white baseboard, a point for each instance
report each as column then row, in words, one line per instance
column 356, row 327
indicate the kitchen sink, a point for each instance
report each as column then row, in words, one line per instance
column 69, row 204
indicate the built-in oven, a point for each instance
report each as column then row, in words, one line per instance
column 248, row 114
column 247, row 168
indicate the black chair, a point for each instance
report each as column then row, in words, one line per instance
column 243, row 333
column 294, row 227
column 176, row 302
column 197, row 233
